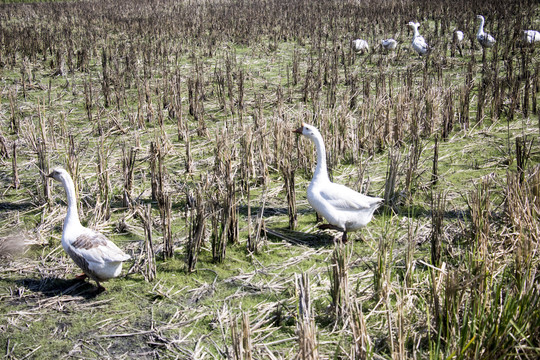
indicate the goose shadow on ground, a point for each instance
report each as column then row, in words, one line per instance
column 313, row 240
column 271, row 210
column 53, row 286
column 316, row 239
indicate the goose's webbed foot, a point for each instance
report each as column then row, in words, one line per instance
column 100, row 288
column 81, row 277
column 329, row 227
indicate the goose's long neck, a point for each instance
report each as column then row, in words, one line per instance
column 481, row 28
column 416, row 33
column 72, row 217
column 321, row 172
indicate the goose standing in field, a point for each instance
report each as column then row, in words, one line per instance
column 344, row 209
column 418, row 43
column 389, row 44
column 531, row 36
column 457, row 39
column 360, row 45
column 97, row 256
column 484, row 39
column 458, row 36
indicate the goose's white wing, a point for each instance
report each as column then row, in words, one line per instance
column 531, row 36
column 389, row 44
column 420, row 44
column 486, row 40
column 344, row 198
column 95, row 247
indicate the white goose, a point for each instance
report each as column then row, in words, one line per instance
column 360, row 45
column 458, row 35
column 389, row 44
column 457, row 40
column 484, row 39
column 531, row 36
column 345, row 209
column 418, row 43
column 97, row 256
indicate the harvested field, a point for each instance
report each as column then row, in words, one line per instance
column 175, row 119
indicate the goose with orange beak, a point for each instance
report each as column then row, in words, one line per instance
column 344, row 208
column 97, row 256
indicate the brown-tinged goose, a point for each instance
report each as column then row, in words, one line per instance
column 98, row 257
